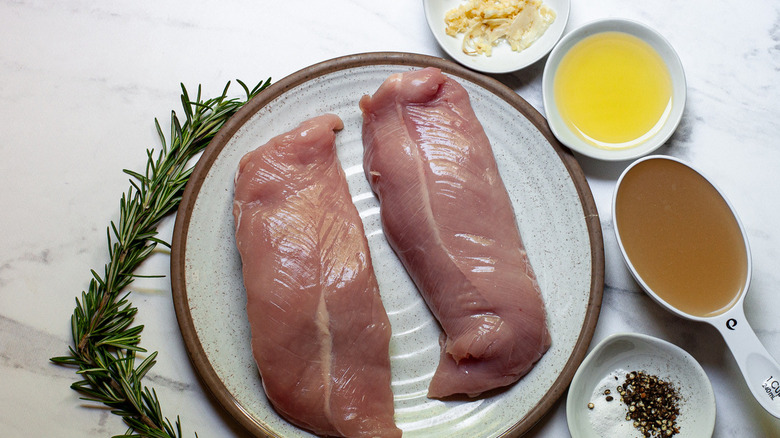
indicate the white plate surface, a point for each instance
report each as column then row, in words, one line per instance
column 557, row 221
column 503, row 59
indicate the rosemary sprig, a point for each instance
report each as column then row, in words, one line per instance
column 105, row 341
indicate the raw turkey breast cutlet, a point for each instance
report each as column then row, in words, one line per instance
column 448, row 217
column 320, row 333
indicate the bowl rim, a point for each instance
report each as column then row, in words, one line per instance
column 647, row 34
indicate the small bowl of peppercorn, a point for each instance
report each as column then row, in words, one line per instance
column 634, row 385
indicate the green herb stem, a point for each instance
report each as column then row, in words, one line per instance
column 105, row 340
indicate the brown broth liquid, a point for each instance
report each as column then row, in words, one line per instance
column 681, row 237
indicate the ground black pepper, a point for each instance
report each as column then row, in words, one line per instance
column 653, row 404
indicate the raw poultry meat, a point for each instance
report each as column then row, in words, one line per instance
column 447, row 215
column 320, row 333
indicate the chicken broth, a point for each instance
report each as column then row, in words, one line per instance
column 681, row 237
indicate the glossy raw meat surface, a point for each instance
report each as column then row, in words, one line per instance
column 447, row 215
column 320, row 333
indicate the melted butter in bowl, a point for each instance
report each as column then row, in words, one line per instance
column 613, row 90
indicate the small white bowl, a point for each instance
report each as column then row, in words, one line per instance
column 657, row 42
column 621, row 353
column 503, row 59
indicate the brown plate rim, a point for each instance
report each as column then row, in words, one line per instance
column 192, row 343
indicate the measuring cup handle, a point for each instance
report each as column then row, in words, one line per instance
column 760, row 369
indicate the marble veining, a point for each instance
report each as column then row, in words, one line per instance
column 82, row 82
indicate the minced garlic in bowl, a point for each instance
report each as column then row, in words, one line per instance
column 487, row 22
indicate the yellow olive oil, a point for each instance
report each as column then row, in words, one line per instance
column 681, row 237
column 613, row 90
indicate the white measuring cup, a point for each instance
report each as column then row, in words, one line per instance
column 759, row 369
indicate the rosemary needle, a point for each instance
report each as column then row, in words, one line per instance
column 105, row 341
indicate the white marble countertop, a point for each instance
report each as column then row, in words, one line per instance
column 81, row 83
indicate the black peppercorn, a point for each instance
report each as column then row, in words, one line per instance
column 652, row 404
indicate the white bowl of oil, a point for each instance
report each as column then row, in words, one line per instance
column 613, row 89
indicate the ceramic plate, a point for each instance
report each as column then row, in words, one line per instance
column 606, row 367
column 556, row 215
column 503, row 58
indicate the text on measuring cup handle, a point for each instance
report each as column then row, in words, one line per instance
column 772, row 387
